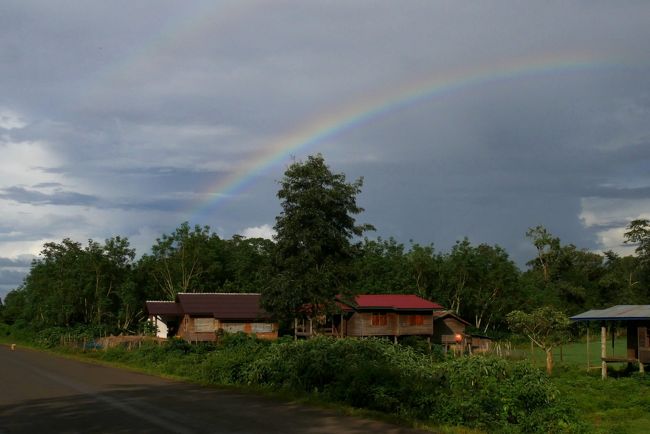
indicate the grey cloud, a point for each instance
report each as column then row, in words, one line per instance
column 47, row 185
column 22, row 261
column 66, row 198
column 131, row 100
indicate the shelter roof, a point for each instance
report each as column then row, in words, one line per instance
column 389, row 302
column 623, row 312
column 163, row 308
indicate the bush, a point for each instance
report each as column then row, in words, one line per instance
column 492, row 393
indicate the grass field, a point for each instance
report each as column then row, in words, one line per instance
column 618, row 405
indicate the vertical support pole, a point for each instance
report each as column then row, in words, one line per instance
column 588, row 357
column 311, row 327
column 397, row 318
column 295, row 329
column 641, row 367
column 603, row 351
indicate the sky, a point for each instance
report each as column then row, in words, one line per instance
column 477, row 119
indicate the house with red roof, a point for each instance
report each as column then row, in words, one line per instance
column 388, row 315
column 202, row 316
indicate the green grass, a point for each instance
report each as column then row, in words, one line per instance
column 618, row 405
column 575, row 354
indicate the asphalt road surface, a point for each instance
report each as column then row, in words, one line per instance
column 43, row 393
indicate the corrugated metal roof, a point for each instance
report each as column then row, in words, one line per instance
column 163, row 308
column 393, row 302
column 623, row 312
column 223, row 305
column 445, row 313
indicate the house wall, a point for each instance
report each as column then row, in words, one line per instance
column 643, row 340
column 361, row 324
column 445, row 329
column 160, row 325
column 205, row 328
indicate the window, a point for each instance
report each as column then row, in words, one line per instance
column 203, row 325
column 378, row 319
column 260, row 327
column 416, row 320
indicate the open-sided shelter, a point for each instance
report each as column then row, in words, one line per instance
column 636, row 319
column 201, row 316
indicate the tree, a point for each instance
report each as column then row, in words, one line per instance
column 546, row 327
column 638, row 232
column 313, row 241
column 179, row 260
column 547, row 248
column 478, row 282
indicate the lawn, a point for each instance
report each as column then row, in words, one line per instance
column 619, row 404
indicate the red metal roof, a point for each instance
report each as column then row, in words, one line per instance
column 223, row 305
column 394, row 302
column 163, row 308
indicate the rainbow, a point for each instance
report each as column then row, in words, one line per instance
column 361, row 111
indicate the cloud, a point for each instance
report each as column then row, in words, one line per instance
column 263, row 231
column 10, row 120
column 22, row 261
column 66, row 198
column 121, row 123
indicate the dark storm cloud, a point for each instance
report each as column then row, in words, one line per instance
column 147, row 105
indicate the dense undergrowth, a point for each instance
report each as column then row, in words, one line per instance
column 487, row 393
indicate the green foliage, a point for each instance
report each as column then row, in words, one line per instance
column 495, row 394
column 313, row 242
column 546, row 327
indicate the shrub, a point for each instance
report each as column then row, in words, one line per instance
column 493, row 393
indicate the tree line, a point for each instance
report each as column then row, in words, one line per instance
column 320, row 251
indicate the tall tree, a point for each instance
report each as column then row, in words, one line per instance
column 547, row 249
column 180, row 261
column 638, row 232
column 314, row 237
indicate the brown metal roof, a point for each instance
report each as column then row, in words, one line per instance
column 445, row 313
column 163, row 308
column 223, row 305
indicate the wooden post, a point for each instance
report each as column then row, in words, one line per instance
column 311, row 327
column 603, row 351
column 397, row 318
column 588, row 358
column 641, row 368
column 532, row 353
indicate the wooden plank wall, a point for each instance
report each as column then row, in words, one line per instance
column 360, row 324
column 204, row 328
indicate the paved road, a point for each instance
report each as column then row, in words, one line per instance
column 42, row 393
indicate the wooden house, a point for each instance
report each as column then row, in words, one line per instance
column 636, row 319
column 202, row 316
column 387, row 315
column 449, row 329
